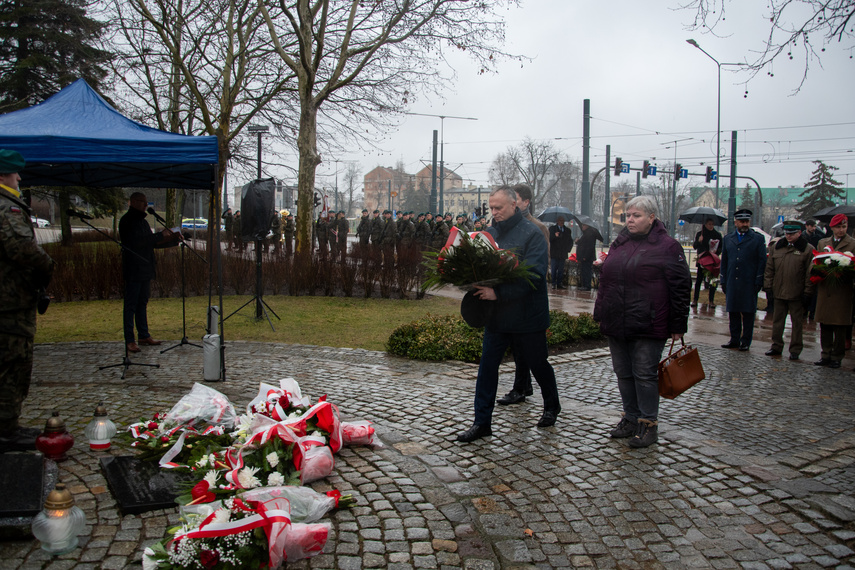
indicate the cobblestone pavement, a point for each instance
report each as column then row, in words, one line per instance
column 755, row 467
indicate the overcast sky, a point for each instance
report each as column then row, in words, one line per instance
column 632, row 61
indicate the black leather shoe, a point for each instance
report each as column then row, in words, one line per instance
column 548, row 418
column 823, row 362
column 743, row 347
column 773, row 352
column 529, row 391
column 512, row 397
column 475, row 432
column 834, row 364
column 794, row 357
column 731, row 345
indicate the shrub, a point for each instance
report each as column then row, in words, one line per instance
column 450, row 338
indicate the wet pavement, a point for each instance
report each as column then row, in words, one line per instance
column 755, row 467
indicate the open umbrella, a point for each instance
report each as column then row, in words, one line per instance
column 583, row 219
column 550, row 215
column 826, row 214
column 700, row 214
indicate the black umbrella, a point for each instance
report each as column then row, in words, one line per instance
column 550, row 215
column 583, row 219
column 826, row 214
column 700, row 214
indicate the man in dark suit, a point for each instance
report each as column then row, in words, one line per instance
column 560, row 244
column 743, row 262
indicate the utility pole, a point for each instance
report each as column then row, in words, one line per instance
column 586, row 157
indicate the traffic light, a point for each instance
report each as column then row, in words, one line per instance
column 484, row 208
column 478, row 211
column 618, row 166
column 317, row 200
column 645, row 169
column 709, row 174
column 677, row 169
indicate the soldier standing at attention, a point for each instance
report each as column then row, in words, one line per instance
column 289, row 233
column 228, row 221
column 376, row 232
column 363, row 232
column 25, row 270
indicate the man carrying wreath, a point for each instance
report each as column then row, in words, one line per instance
column 834, row 298
column 520, row 315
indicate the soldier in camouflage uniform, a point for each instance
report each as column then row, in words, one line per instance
column 289, row 234
column 440, row 233
column 25, row 270
column 321, row 234
column 422, row 231
column 276, row 238
column 388, row 239
column 343, row 230
column 376, row 232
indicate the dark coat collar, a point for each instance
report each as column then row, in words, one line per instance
column 800, row 244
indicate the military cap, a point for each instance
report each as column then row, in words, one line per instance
column 387, row 212
column 11, row 161
column 376, row 212
column 742, row 214
column 793, row 226
column 364, row 210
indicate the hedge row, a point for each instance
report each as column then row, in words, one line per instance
column 450, row 338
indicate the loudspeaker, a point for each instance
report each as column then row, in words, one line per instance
column 256, row 208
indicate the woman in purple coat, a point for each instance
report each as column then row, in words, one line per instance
column 642, row 302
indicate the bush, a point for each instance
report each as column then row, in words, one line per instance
column 450, row 338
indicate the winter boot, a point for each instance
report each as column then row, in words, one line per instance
column 625, row 428
column 648, row 434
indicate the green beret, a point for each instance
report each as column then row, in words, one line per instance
column 11, row 161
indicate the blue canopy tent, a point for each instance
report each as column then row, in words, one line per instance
column 76, row 138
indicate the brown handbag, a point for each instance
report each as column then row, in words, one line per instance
column 679, row 371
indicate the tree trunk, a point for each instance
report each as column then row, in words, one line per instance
column 309, row 160
column 170, row 207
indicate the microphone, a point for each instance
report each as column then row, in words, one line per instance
column 153, row 213
column 75, row 214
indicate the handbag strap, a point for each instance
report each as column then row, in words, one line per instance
column 671, row 350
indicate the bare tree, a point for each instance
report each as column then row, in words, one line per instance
column 793, row 25
column 201, row 68
column 535, row 163
column 356, row 62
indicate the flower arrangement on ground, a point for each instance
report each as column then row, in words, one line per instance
column 470, row 259
column 244, row 506
column 832, row 267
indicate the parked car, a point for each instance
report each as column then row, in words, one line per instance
column 39, row 222
column 195, row 223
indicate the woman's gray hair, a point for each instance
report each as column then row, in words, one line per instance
column 644, row 203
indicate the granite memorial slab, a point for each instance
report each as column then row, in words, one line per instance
column 26, row 479
column 141, row 486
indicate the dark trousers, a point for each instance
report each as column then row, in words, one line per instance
column 636, row 365
column 522, row 374
column 796, row 310
column 741, row 328
column 698, row 280
column 557, row 272
column 136, row 301
column 586, row 272
column 493, row 349
column 832, row 339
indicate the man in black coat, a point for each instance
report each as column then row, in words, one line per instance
column 560, row 244
column 586, row 253
column 139, row 243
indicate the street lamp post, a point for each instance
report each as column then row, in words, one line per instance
column 718, row 120
column 259, row 130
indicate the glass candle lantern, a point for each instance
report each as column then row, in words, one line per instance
column 59, row 523
column 100, row 430
column 55, row 440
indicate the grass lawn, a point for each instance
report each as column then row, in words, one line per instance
column 323, row 321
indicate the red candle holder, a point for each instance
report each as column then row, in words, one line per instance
column 55, row 440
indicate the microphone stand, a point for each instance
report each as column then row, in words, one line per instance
column 126, row 361
column 183, row 245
